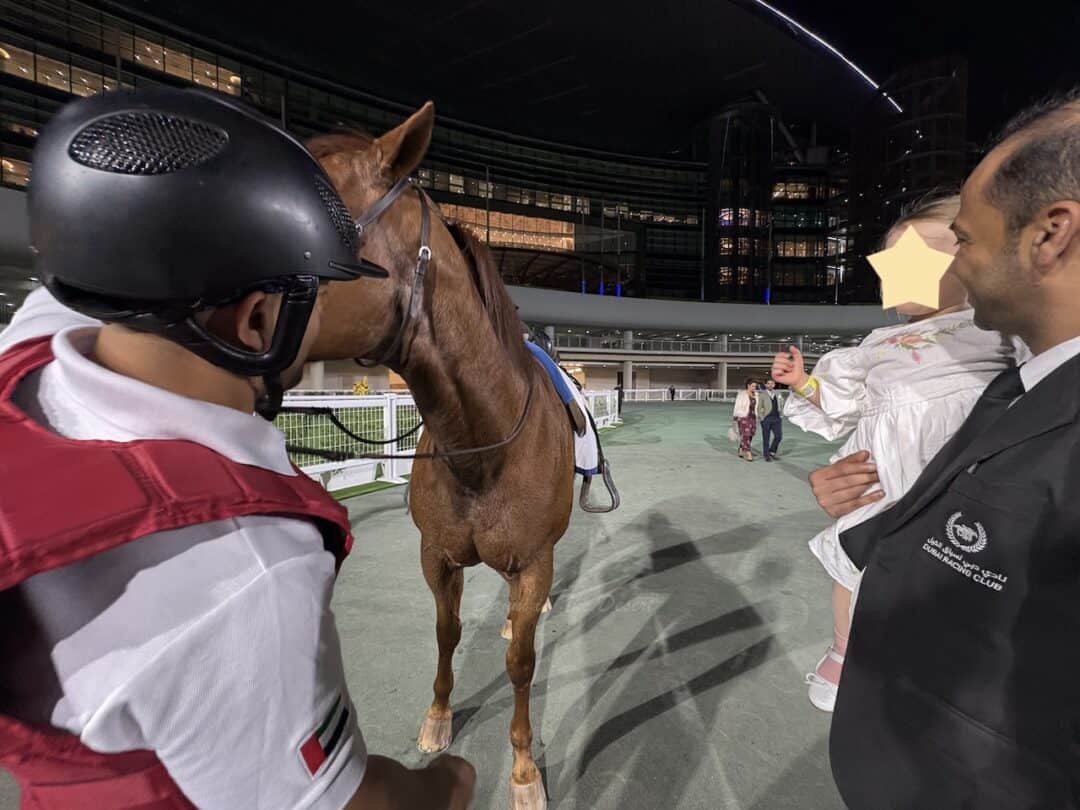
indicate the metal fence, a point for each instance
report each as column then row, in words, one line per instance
column 604, row 406
column 378, row 417
column 681, row 394
column 670, row 346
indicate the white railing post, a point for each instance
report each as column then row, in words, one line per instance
column 389, row 432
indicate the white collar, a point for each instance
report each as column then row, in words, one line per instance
column 1042, row 365
column 142, row 411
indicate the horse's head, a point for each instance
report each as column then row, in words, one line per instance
column 362, row 319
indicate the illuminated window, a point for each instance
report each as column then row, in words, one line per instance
column 726, row 246
column 204, row 74
column 515, row 230
column 178, row 61
column 229, row 80
column 744, row 275
column 14, row 172
column 727, row 216
column 457, row 184
column 53, row 73
column 744, row 217
column 16, row 61
column 19, row 129
column 85, row 83
column 150, row 54
column 725, row 275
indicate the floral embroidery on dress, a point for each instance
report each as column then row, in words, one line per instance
column 923, row 340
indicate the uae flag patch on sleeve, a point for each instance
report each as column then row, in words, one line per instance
column 322, row 743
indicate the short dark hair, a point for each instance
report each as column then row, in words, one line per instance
column 748, row 381
column 1045, row 166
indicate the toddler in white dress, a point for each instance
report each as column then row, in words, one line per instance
column 900, row 394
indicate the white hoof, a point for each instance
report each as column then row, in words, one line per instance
column 507, row 631
column 547, row 607
column 528, row 797
column 436, row 731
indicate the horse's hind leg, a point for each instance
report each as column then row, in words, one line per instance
column 445, row 581
column 528, row 591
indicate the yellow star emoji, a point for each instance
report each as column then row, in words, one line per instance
column 910, row 271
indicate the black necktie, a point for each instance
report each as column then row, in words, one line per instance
column 1001, row 392
column 995, row 400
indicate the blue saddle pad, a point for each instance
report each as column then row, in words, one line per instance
column 558, row 379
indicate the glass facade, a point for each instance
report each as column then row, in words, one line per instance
column 513, row 230
column 901, row 157
column 642, row 225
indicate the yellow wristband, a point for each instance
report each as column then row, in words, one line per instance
column 809, row 388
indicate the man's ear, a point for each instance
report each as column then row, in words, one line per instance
column 1057, row 231
column 247, row 323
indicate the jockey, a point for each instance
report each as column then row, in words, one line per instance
column 165, row 572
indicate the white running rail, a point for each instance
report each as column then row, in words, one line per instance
column 378, row 417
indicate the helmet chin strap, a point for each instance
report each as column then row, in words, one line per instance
column 269, row 403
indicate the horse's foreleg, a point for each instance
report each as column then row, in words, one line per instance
column 445, row 581
column 508, row 626
column 528, row 592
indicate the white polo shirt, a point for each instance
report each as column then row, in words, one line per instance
column 212, row 645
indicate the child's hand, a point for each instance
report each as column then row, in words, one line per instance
column 789, row 368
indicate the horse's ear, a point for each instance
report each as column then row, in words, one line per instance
column 402, row 148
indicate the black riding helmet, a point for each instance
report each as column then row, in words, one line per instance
column 147, row 207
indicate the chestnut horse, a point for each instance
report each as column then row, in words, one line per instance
column 456, row 339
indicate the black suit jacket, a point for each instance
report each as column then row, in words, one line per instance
column 961, row 686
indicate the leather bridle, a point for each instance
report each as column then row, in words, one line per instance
column 415, row 303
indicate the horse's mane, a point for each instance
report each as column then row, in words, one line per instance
column 497, row 303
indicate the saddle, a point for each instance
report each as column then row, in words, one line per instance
column 580, row 421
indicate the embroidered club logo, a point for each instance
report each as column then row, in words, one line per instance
column 964, row 537
column 322, row 742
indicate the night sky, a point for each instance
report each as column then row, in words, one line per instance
column 644, row 70
column 1017, row 52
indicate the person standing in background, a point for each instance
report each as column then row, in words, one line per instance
column 745, row 415
column 769, row 403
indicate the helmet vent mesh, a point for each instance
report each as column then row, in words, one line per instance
column 146, row 143
column 339, row 214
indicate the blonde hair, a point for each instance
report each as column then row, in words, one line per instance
column 936, row 206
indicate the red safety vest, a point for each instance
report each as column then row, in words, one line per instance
column 114, row 492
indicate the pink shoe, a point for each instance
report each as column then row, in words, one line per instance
column 822, row 692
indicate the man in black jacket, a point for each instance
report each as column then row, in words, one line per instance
column 960, row 685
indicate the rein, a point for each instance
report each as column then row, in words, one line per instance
column 337, row 455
